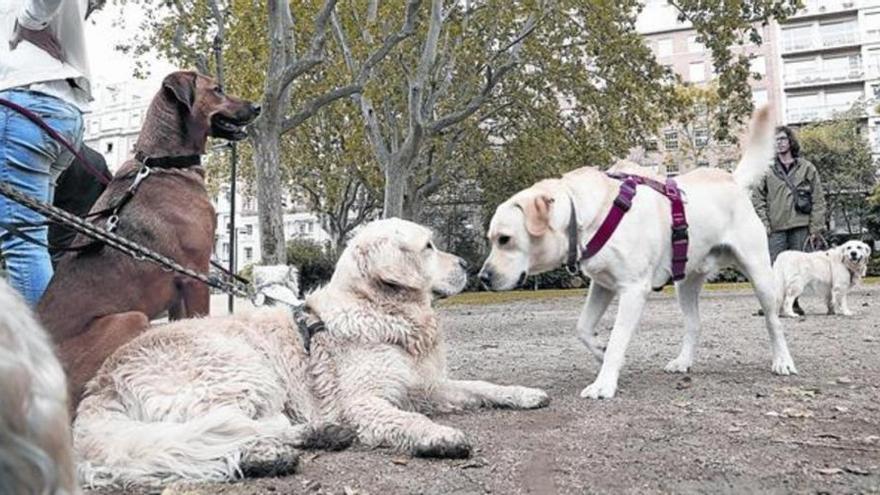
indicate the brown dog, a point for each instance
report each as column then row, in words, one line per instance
column 99, row 301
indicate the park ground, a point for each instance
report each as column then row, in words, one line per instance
column 730, row 426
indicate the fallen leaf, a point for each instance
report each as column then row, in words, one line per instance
column 871, row 439
column 400, row 461
column 772, row 413
column 684, row 383
column 681, row 403
column 801, row 391
column 856, row 470
column 790, row 412
column 474, row 463
column 828, row 435
column 842, row 409
column 734, row 429
column 844, row 380
column 829, row 471
column 869, row 338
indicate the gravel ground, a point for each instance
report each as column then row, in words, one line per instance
column 729, row 426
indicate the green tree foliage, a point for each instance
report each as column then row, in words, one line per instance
column 511, row 92
column 842, row 155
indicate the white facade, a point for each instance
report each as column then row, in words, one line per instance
column 297, row 225
column 116, row 116
column 830, row 58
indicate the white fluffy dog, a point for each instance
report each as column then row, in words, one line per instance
column 35, row 441
column 830, row 274
column 529, row 235
column 215, row 398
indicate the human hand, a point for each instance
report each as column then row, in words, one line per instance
column 42, row 39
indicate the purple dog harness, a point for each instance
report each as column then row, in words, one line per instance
column 622, row 204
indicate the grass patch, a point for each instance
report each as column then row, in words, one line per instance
column 486, row 298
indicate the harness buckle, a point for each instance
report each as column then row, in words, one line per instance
column 623, row 202
column 679, row 233
column 142, row 174
column 112, row 222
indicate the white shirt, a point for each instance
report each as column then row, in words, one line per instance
column 29, row 67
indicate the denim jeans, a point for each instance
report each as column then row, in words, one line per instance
column 787, row 240
column 31, row 161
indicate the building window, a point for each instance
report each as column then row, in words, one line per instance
column 759, row 97
column 694, row 46
column 703, row 163
column 664, row 47
column 758, row 65
column 697, row 72
column 797, row 38
column 701, row 138
column 302, row 228
column 311, row 227
column 249, row 229
column 670, row 139
column 839, row 33
column 248, row 253
column 108, row 148
column 225, row 247
column 651, row 145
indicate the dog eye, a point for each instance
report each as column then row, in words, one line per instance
column 503, row 240
column 430, row 245
column 218, row 90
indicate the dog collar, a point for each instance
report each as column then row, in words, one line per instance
column 183, row 161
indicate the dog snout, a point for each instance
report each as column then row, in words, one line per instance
column 486, row 277
column 255, row 109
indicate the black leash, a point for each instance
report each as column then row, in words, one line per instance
column 118, row 242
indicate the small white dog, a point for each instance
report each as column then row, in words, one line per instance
column 36, row 455
column 830, row 274
column 529, row 234
column 215, row 398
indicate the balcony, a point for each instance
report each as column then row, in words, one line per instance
column 810, row 43
column 815, row 78
column 814, row 113
column 822, row 7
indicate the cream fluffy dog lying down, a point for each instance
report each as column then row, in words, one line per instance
column 529, row 235
column 215, row 398
column 829, row 274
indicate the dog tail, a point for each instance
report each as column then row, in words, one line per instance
column 758, row 153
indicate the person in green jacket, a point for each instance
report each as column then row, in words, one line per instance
column 790, row 221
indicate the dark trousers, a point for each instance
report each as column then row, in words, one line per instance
column 787, row 240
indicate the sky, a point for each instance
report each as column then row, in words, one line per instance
column 107, row 64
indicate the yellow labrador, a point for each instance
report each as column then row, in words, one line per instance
column 214, row 398
column 528, row 235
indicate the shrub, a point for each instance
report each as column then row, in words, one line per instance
column 315, row 263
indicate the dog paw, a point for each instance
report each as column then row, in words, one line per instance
column 598, row 390
column 678, row 365
column 532, row 398
column 447, row 443
column 784, row 367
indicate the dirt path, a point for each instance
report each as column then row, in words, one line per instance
column 730, row 426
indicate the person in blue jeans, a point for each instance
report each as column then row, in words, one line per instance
column 43, row 67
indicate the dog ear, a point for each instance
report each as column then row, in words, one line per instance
column 389, row 265
column 182, row 85
column 537, row 212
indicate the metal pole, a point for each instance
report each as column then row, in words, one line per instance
column 233, row 158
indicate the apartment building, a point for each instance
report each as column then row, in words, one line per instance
column 298, row 224
column 117, row 113
column 679, row 148
column 830, row 55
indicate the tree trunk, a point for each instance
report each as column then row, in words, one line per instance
column 396, row 178
column 267, row 164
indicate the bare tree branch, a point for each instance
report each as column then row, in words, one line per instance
column 315, row 55
column 312, row 106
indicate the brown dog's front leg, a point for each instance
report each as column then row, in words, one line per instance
column 196, row 299
column 84, row 354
